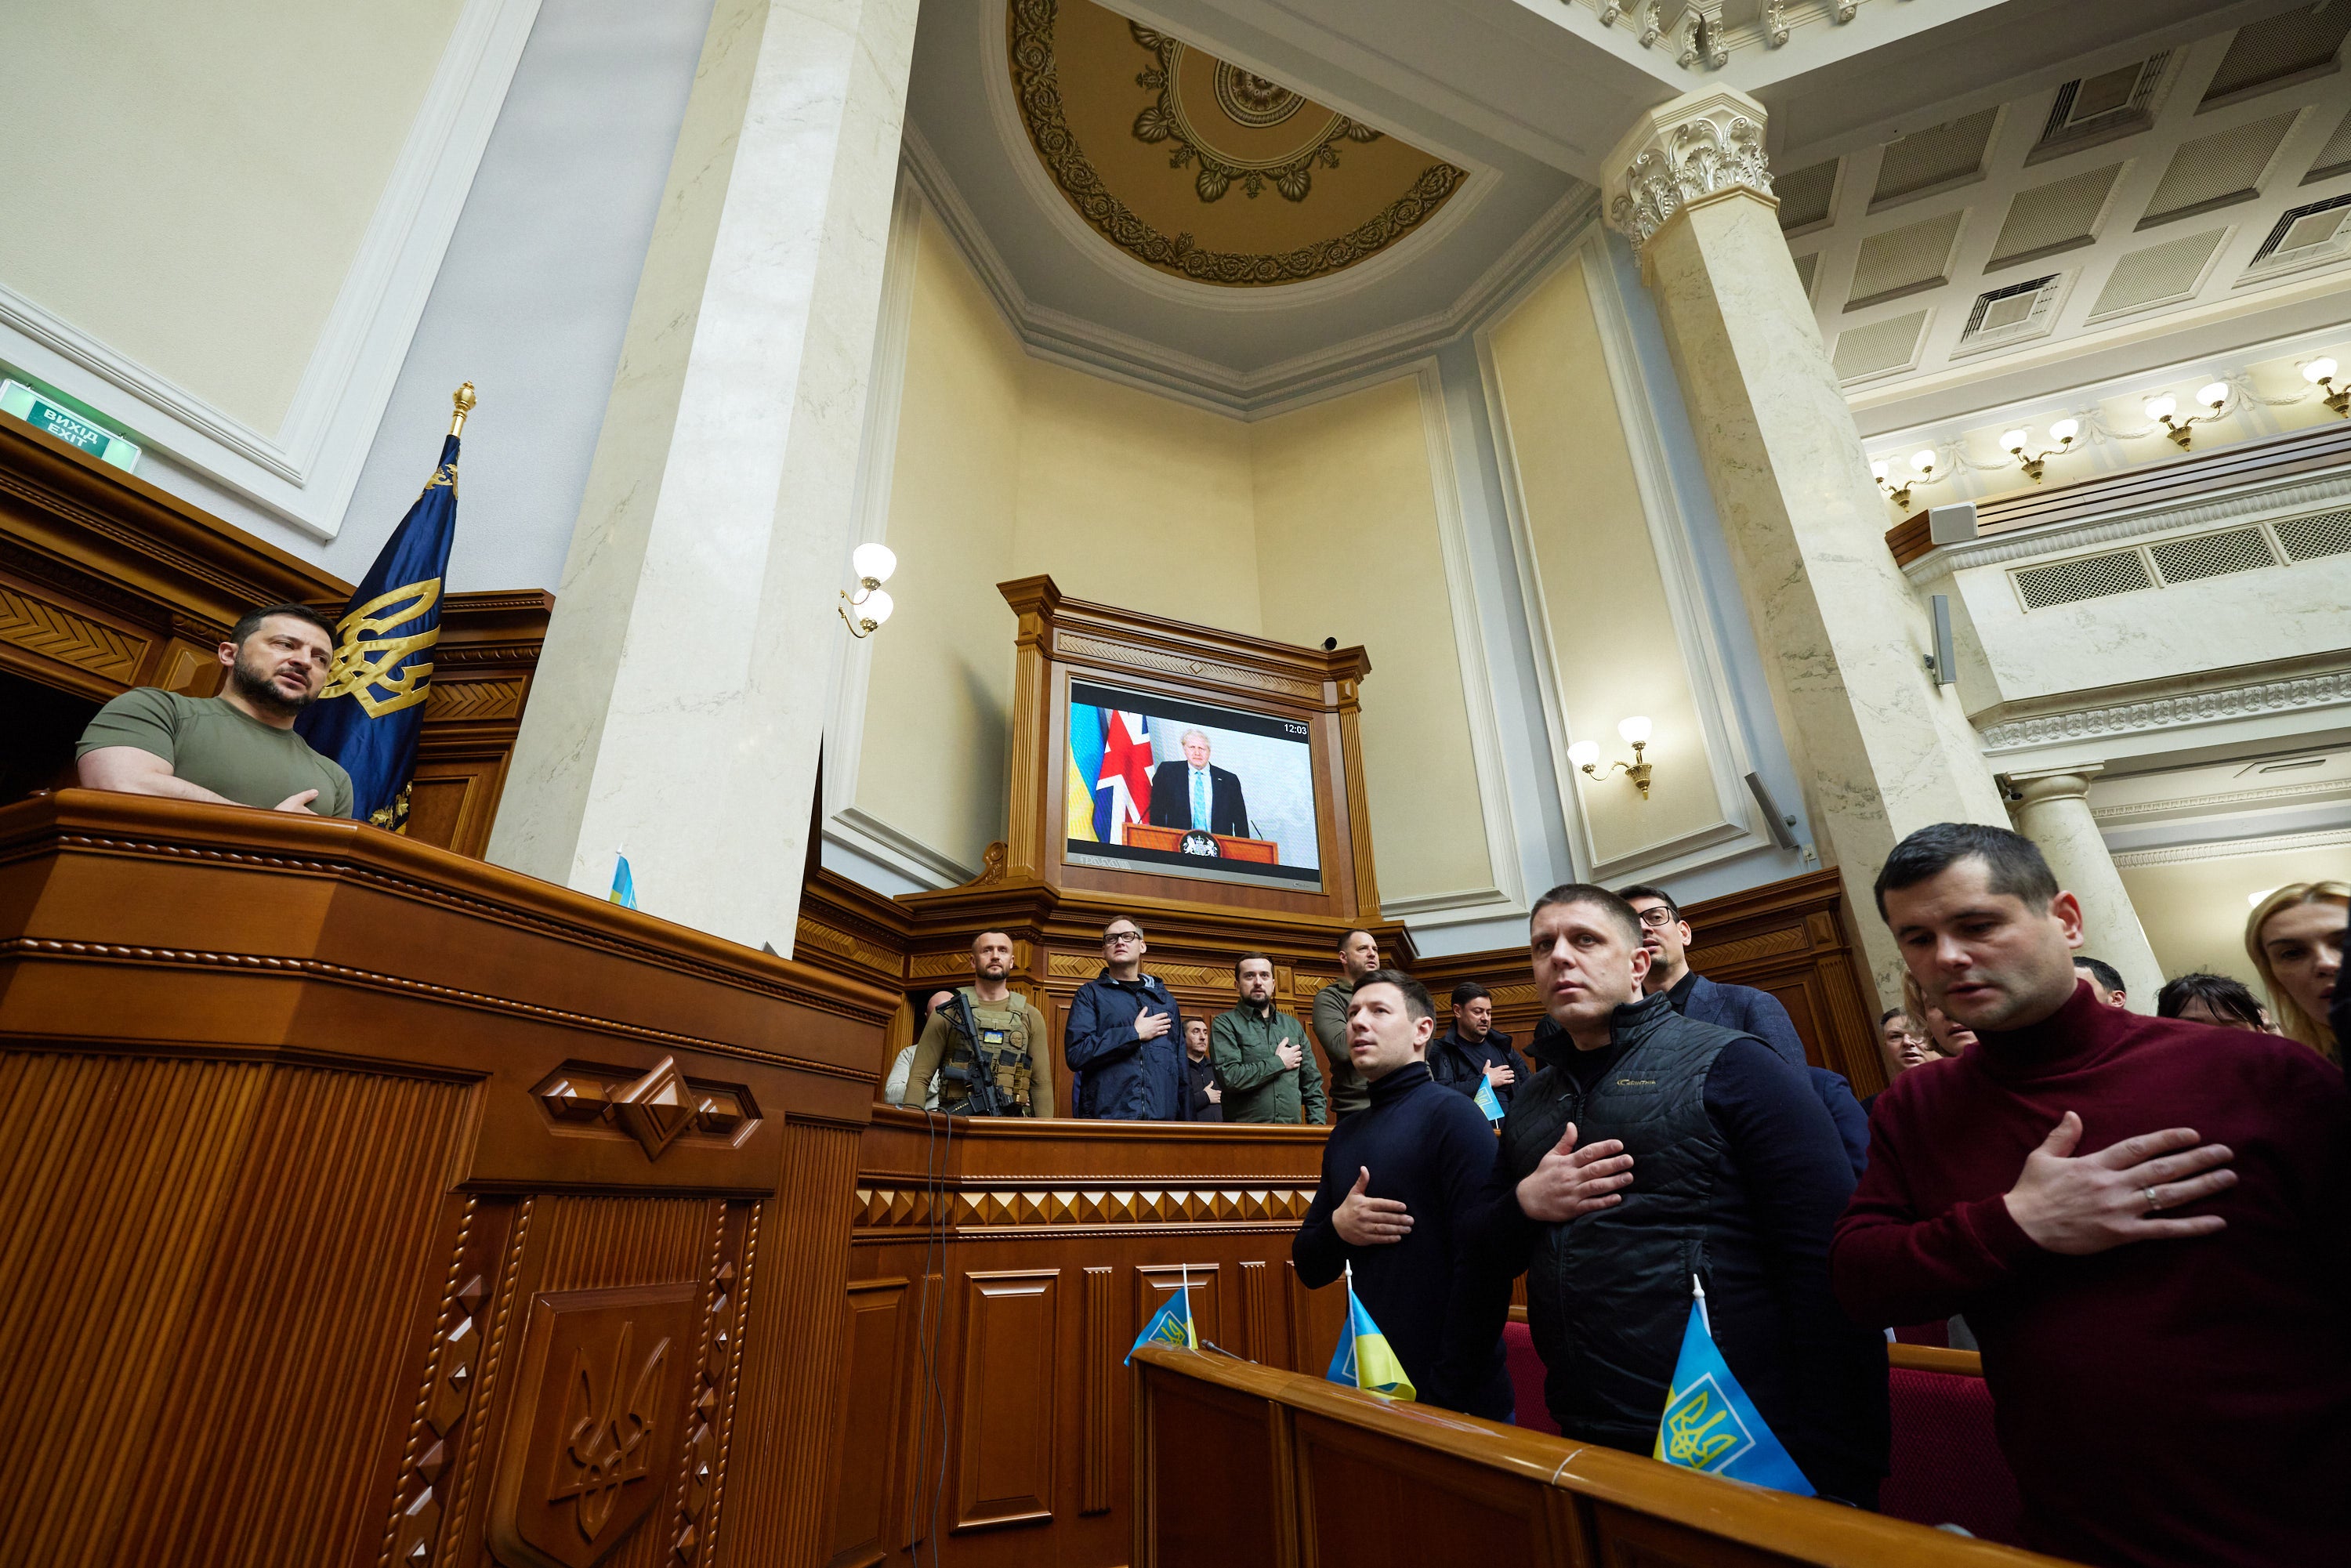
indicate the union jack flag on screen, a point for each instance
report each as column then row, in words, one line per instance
column 1122, row 788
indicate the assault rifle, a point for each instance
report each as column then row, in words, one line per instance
column 983, row 1098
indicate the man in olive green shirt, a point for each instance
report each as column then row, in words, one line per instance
column 238, row 749
column 1261, row 1055
column 1012, row 1032
column 1359, row 955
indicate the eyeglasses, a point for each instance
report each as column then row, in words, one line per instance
column 1659, row 917
column 1112, row 939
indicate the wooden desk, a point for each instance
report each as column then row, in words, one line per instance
column 318, row 1225
column 1255, row 852
column 1303, row 1471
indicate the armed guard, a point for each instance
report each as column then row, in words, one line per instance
column 986, row 1044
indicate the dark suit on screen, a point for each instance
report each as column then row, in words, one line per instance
column 1171, row 800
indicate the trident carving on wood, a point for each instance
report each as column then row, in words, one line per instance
column 605, row 1444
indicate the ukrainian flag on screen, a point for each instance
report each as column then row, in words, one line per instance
column 1709, row 1423
column 1363, row 1358
column 1171, row 1324
column 1081, row 807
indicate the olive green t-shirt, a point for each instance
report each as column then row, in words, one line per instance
column 212, row 745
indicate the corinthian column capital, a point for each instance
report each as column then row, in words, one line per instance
column 1697, row 145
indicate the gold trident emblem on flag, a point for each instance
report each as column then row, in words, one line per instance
column 365, row 657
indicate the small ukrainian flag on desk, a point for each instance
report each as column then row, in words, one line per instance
column 624, row 886
column 1171, row 1324
column 1363, row 1358
column 1487, row 1100
column 1709, row 1423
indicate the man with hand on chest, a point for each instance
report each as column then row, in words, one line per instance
column 1648, row 1148
column 1404, row 1181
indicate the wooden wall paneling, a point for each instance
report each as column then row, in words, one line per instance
column 1156, row 1283
column 864, row 1453
column 1631, row 1540
column 1098, row 1346
column 774, row 1505
column 1258, row 1333
column 1217, row 1496
column 1004, row 1428
column 1316, row 1317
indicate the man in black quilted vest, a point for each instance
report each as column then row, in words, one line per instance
column 1649, row 1147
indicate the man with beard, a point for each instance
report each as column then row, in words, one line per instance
column 994, row 1033
column 2142, row 1218
column 1359, row 955
column 238, row 749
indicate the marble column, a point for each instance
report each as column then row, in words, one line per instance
column 2054, row 813
column 680, row 700
column 1881, row 749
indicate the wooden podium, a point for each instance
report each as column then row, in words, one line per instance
column 1257, row 851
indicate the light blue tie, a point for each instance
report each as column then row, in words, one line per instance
column 1200, row 798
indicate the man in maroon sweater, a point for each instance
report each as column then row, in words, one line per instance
column 2143, row 1220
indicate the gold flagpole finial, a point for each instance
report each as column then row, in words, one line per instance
column 464, row 399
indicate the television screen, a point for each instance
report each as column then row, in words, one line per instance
column 1188, row 789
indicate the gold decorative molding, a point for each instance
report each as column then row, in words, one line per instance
column 473, row 701
column 1246, row 100
column 841, row 944
column 38, row 627
column 908, row 1208
column 922, row 966
column 1763, row 946
column 1037, row 87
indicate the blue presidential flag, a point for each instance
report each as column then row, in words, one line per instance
column 372, row 709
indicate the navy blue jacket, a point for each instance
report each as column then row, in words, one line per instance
column 1852, row 1120
column 1432, row 1150
column 1121, row 1077
column 1460, row 1064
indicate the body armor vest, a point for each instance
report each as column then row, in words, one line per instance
column 1001, row 1051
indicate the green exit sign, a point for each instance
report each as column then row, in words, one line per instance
column 67, row 426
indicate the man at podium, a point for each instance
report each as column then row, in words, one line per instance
column 1191, row 794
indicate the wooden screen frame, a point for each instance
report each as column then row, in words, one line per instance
column 1061, row 639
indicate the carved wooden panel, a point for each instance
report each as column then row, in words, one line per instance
column 1100, row 1344
column 1461, row 1513
column 1156, row 1283
column 1216, row 1494
column 52, row 631
column 604, row 1387
column 1314, row 1319
column 864, row 1454
column 1630, row 1540
column 1005, row 1457
column 1078, row 645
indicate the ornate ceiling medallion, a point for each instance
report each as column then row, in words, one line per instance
column 1099, row 125
column 1248, row 100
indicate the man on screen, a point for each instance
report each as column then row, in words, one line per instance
column 1191, row 794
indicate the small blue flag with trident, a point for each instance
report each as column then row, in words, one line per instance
column 624, row 886
column 1487, row 1100
column 1171, row 1324
column 1709, row 1423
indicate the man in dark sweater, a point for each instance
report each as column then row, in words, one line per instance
column 2143, row 1219
column 1650, row 1147
column 1402, row 1183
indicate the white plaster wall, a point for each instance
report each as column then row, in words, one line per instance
column 189, row 185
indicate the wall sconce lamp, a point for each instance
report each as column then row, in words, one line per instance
column 2161, row 408
column 1922, row 463
column 1585, row 754
column 2320, row 373
column 2062, row 432
column 873, row 564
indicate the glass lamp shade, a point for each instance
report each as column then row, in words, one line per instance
column 1635, row 730
column 876, row 607
column 873, row 561
column 1923, row 460
column 2013, row 440
column 1879, row 467
column 2162, row 408
column 2318, row 371
column 2064, row 429
column 2213, row 394
column 1583, row 753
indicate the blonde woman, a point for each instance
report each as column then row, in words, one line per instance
column 1947, row 1037
column 2295, row 939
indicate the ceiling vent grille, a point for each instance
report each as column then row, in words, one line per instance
column 2091, row 576
column 2301, row 42
column 2157, row 274
column 2211, row 555
column 2321, row 534
column 2100, row 107
column 1933, row 159
column 2336, row 156
column 2216, row 171
column 1879, row 346
column 2306, row 236
column 1905, row 260
column 2057, row 216
column 2012, row 315
column 1806, row 196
